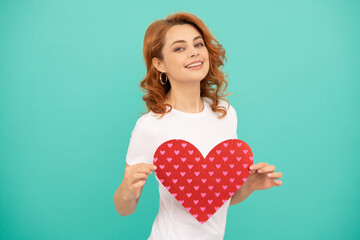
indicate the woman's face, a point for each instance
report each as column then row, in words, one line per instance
column 184, row 46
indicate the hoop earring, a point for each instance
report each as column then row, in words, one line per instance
column 166, row 79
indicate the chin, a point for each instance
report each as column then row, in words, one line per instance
column 198, row 76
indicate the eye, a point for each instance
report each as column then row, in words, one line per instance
column 201, row 44
column 177, row 49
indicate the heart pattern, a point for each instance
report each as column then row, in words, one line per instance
column 202, row 185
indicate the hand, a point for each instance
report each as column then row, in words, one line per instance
column 134, row 180
column 259, row 178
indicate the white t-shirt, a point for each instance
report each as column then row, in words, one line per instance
column 204, row 130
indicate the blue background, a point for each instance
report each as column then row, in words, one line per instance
column 70, row 97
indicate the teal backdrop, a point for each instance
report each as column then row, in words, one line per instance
column 70, row 97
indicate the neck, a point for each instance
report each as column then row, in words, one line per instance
column 185, row 98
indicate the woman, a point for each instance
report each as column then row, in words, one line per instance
column 183, row 63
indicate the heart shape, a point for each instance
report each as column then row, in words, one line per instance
column 202, row 185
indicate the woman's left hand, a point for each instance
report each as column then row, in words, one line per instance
column 262, row 177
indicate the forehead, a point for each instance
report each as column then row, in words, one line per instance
column 185, row 32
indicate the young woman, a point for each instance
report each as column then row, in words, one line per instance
column 184, row 86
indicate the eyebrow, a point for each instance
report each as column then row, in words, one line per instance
column 178, row 41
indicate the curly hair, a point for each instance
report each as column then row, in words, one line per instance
column 152, row 47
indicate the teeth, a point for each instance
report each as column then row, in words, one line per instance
column 194, row 64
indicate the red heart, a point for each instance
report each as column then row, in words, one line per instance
column 201, row 185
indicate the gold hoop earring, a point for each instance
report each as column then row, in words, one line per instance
column 166, row 79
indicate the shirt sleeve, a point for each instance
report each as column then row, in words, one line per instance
column 141, row 147
column 235, row 124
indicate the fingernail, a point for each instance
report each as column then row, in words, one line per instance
column 259, row 171
column 269, row 175
column 251, row 167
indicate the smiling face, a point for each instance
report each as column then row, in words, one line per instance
column 183, row 46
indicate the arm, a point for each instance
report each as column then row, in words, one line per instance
column 244, row 191
column 123, row 204
column 140, row 154
column 241, row 194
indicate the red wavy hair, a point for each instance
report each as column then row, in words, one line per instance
column 152, row 47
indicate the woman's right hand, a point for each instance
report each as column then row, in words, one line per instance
column 134, row 180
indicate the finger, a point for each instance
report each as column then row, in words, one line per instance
column 150, row 166
column 145, row 169
column 144, row 166
column 141, row 176
column 258, row 166
column 275, row 175
column 138, row 176
column 266, row 169
column 277, row 182
column 139, row 180
column 140, row 167
column 138, row 184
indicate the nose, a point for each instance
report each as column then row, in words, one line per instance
column 195, row 52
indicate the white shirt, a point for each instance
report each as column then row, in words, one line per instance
column 204, row 130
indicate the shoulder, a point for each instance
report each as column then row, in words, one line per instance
column 145, row 124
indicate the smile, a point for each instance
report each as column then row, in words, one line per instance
column 195, row 65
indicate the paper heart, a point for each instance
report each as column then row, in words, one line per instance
column 202, row 185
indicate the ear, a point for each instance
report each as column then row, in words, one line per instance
column 157, row 63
